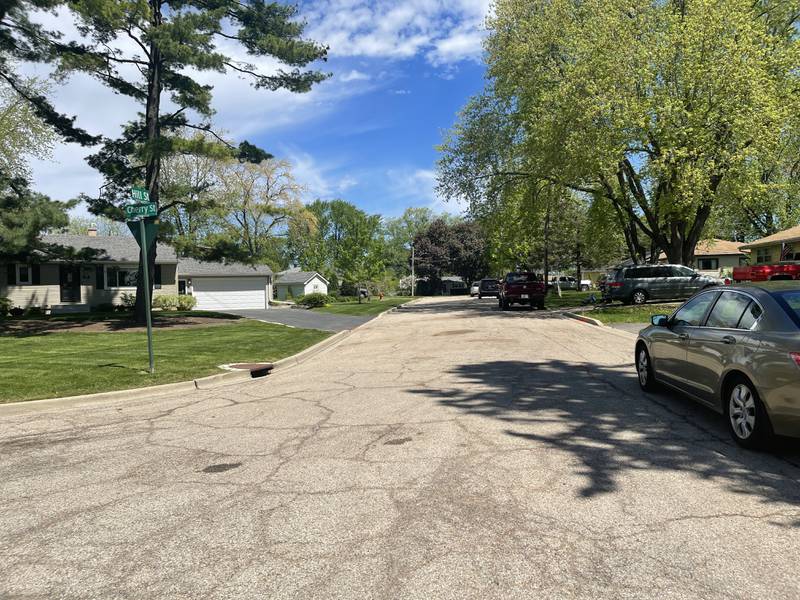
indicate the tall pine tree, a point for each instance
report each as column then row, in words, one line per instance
column 150, row 51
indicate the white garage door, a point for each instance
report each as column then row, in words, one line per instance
column 220, row 293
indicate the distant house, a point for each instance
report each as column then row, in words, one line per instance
column 63, row 287
column 713, row 257
column 293, row 284
column 779, row 247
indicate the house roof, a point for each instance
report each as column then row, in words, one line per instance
column 787, row 235
column 117, row 248
column 715, row 247
column 298, row 277
column 191, row 267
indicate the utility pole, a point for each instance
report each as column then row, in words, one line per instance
column 413, row 279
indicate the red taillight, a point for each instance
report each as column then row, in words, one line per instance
column 615, row 284
column 795, row 356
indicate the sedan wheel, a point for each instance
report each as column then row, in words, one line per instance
column 749, row 423
column 645, row 370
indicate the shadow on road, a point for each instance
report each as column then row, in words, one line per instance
column 598, row 415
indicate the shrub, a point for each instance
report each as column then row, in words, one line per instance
column 128, row 300
column 105, row 307
column 313, row 300
column 166, row 302
column 34, row 311
column 5, row 306
column 186, row 302
column 16, row 312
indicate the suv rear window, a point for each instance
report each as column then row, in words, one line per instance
column 489, row 283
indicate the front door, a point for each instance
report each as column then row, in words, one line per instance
column 70, row 280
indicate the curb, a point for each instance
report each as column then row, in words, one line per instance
column 201, row 383
column 583, row 319
column 606, row 329
column 153, row 391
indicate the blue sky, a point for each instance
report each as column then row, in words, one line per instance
column 401, row 71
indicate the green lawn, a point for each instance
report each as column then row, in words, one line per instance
column 630, row 314
column 69, row 363
column 569, row 298
column 365, row 309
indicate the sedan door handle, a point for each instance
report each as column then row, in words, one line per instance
column 683, row 336
column 728, row 339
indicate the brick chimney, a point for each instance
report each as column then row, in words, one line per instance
column 92, row 230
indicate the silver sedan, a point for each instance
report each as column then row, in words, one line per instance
column 736, row 350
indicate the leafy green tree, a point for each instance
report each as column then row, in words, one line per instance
column 656, row 107
column 447, row 247
column 399, row 233
column 342, row 241
column 150, row 51
column 23, row 134
column 103, row 226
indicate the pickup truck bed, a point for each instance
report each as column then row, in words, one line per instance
column 767, row 272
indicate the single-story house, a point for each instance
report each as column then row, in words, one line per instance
column 63, row 286
column 715, row 257
column 293, row 284
column 778, row 247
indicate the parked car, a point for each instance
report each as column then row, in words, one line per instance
column 522, row 288
column 489, row 288
column 736, row 350
column 640, row 283
column 566, row 282
column 474, row 288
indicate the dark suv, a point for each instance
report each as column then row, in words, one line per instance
column 640, row 283
column 489, row 288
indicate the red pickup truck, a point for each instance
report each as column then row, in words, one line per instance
column 779, row 271
column 522, row 288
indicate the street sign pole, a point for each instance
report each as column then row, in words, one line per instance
column 145, row 271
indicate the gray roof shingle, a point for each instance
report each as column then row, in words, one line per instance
column 117, row 248
column 192, row 267
column 297, row 276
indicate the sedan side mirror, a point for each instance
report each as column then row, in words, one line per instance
column 659, row 320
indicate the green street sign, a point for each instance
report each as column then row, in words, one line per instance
column 134, row 212
column 140, row 194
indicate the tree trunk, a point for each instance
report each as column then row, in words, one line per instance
column 546, row 246
column 153, row 160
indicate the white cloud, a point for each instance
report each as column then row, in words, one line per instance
column 354, row 75
column 445, row 31
column 417, row 187
column 319, row 178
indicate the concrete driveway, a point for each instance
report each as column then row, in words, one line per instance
column 446, row 450
column 306, row 319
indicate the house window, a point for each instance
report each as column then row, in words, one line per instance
column 316, row 287
column 763, row 255
column 708, row 264
column 121, row 277
column 181, row 287
column 23, row 275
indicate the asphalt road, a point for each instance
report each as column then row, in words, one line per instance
column 445, row 450
column 306, row 319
